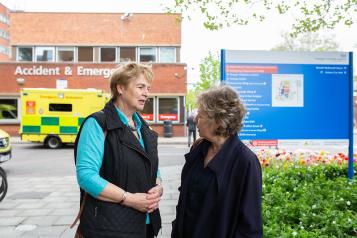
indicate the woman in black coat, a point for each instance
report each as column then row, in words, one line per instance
column 117, row 162
column 221, row 182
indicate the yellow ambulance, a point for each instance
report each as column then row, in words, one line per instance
column 53, row 116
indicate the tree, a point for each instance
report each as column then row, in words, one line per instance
column 191, row 100
column 209, row 76
column 209, row 72
column 309, row 16
column 309, row 41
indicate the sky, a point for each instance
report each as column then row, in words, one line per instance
column 196, row 41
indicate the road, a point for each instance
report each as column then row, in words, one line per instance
column 43, row 196
column 37, row 161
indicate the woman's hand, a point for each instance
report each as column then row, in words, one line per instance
column 141, row 201
column 155, row 193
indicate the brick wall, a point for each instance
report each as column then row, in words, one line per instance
column 91, row 29
column 94, row 29
column 4, row 27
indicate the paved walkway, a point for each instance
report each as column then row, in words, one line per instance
column 45, row 207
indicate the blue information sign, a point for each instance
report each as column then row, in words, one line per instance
column 292, row 95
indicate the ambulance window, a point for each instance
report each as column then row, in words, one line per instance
column 60, row 107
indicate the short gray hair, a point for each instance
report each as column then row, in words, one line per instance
column 224, row 107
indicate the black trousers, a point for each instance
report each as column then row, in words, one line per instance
column 149, row 231
column 193, row 132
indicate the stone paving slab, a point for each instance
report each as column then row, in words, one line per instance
column 41, row 221
column 46, row 206
column 33, row 212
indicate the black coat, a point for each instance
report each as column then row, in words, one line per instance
column 128, row 166
column 232, row 205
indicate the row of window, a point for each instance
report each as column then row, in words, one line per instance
column 4, row 34
column 86, row 54
column 157, row 109
column 4, row 19
column 4, row 50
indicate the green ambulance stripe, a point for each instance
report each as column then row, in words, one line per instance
column 54, row 121
column 80, row 120
column 31, row 129
column 50, row 121
column 68, row 129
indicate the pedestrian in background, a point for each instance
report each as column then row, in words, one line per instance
column 117, row 162
column 221, row 181
column 191, row 126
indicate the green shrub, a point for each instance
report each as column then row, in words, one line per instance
column 309, row 201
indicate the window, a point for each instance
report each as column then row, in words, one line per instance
column 127, row 54
column 45, row 54
column 107, row 54
column 8, row 110
column 85, row 54
column 60, row 107
column 24, row 54
column 4, row 34
column 147, row 54
column 168, row 109
column 65, row 54
column 4, row 50
column 148, row 112
column 4, row 19
column 167, row 54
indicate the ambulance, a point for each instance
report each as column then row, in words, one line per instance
column 53, row 116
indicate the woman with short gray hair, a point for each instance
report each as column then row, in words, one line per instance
column 221, row 182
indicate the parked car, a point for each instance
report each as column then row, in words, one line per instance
column 5, row 146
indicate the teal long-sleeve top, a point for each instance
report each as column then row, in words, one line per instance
column 91, row 151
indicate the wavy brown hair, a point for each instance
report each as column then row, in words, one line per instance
column 125, row 72
column 224, row 107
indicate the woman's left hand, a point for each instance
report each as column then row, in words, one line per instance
column 154, row 193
